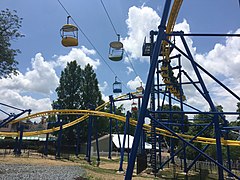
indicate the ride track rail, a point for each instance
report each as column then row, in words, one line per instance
column 87, row 113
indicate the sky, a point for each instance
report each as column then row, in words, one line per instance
column 43, row 57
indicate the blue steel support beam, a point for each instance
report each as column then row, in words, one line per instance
column 143, row 110
column 191, row 140
column 152, row 107
column 195, row 148
column 21, row 127
column 12, row 117
column 228, row 150
column 213, row 108
column 182, row 114
column 46, row 142
column 59, row 140
column 124, row 139
column 116, row 126
column 171, row 120
column 89, row 139
column 200, row 67
column 196, row 158
column 77, row 150
column 97, row 145
column 110, row 129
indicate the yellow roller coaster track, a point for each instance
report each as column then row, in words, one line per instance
column 87, row 113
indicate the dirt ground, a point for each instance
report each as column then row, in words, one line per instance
column 106, row 170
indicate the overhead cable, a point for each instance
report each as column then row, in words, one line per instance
column 90, row 42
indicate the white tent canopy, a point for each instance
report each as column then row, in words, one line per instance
column 116, row 141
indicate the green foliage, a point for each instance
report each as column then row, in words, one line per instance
column 78, row 89
column 238, row 110
column 9, row 26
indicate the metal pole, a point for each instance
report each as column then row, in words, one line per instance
column 124, row 139
column 171, row 127
column 161, row 35
column 20, row 139
column 59, row 138
column 77, row 150
column 96, row 134
column 46, row 142
column 110, row 130
column 89, row 139
column 213, row 109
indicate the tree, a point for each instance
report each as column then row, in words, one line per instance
column 70, row 89
column 9, row 26
column 78, row 89
column 69, row 94
column 238, row 110
column 91, row 94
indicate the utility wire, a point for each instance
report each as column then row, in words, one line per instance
column 131, row 64
column 91, row 43
column 104, row 7
column 109, row 17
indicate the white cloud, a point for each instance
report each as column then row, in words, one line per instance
column 140, row 21
column 41, row 78
column 133, row 84
column 129, row 70
column 104, row 86
column 81, row 55
column 13, row 98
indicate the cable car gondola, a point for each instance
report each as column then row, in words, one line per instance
column 69, row 34
column 116, row 50
column 134, row 106
column 117, row 86
column 140, row 91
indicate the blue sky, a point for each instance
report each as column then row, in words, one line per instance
column 43, row 57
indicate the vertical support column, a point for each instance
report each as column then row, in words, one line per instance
column 182, row 115
column 77, row 150
column 150, row 79
column 96, row 136
column 116, row 127
column 217, row 129
column 21, row 127
column 46, row 142
column 59, row 140
column 89, row 139
column 171, row 127
column 124, row 140
column 228, row 149
column 153, row 124
column 160, row 149
column 110, row 130
column 16, row 141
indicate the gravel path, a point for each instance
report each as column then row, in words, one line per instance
column 40, row 172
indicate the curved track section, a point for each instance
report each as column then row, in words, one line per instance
column 87, row 113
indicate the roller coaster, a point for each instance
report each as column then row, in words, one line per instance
column 160, row 50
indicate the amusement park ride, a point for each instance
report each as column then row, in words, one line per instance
column 159, row 50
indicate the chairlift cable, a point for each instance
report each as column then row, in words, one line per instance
column 109, row 18
column 132, row 65
column 91, row 43
column 104, row 7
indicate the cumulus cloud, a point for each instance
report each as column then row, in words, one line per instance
column 223, row 61
column 13, row 98
column 133, row 84
column 225, row 58
column 41, row 78
column 104, row 86
column 129, row 70
column 81, row 55
column 140, row 21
